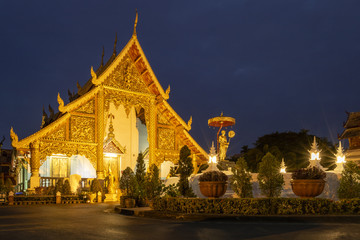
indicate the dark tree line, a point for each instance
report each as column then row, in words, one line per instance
column 292, row 146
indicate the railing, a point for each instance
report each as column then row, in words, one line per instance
column 51, row 181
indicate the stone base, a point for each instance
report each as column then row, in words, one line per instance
column 111, row 197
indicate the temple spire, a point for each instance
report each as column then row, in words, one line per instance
column 114, row 51
column 136, row 20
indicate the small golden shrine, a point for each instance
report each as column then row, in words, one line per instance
column 120, row 111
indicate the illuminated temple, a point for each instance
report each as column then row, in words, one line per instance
column 121, row 110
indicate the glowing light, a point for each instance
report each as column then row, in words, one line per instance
column 110, row 155
column 340, row 159
column 315, row 156
column 212, row 159
column 282, row 166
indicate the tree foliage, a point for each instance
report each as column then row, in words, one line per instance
column 95, row 186
column 350, row 181
column 185, row 169
column 292, row 146
column 271, row 181
column 153, row 184
column 140, row 177
column 241, row 180
column 2, row 186
column 66, row 189
column 128, row 183
column 59, row 186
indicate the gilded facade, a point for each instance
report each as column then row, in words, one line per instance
column 80, row 128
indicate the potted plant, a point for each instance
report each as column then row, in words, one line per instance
column 213, row 184
column 128, row 186
column 153, row 185
column 95, row 188
column 308, row 182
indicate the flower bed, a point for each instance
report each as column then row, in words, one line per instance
column 258, row 206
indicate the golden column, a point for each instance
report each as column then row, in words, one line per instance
column 35, row 164
column 152, row 132
column 100, row 134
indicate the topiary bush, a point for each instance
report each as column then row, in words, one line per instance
column 253, row 206
column 66, row 189
column 350, row 181
column 153, row 184
column 213, row 176
column 241, row 180
column 128, row 183
column 185, row 169
column 271, row 181
column 140, row 173
column 309, row 173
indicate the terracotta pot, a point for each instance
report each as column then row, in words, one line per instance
column 213, row 189
column 307, row 188
column 129, row 203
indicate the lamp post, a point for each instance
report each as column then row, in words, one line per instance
column 315, row 155
column 282, row 166
column 212, row 159
column 340, row 159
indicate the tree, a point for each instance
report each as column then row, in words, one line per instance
column 95, row 186
column 350, row 181
column 271, row 181
column 9, row 186
column 2, row 186
column 153, row 182
column 185, row 169
column 128, row 183
column 292, row 146
column 140, row 177
column 241, row 180
column 59, row 186
column 66, row 189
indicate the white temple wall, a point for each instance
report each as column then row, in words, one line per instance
column 126, row 134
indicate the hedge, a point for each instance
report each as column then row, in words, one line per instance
column 258, row 206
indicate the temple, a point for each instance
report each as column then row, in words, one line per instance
column 352, row 133
column 121, row 110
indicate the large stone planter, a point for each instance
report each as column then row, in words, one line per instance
column 213, row 189
column 307, row 188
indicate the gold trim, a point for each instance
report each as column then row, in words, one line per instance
column 24, row 143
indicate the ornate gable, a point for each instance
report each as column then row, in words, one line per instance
column 127, row 77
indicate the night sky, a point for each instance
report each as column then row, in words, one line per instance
column 272, row 65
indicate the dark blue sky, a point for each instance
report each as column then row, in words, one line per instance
column 273, row 65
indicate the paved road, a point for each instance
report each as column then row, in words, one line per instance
column 101, row 222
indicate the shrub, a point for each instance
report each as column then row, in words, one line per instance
column 309, row 173
column 128, row 182
column 59, row 186
column 241, row 180
column 66, row 189
column 153, row 183
column 185, row 169
column 2, row 186
column 213, row 176
column 350, row 181
column 95, row 186
column 171, row 190
column 140, row 177
column 271, row 181
column 252, row 206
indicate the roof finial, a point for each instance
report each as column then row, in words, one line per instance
column 102, row 57
column 136, row 20
column 114, row 52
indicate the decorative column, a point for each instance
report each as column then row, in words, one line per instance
column 152, row 132
column 100, row 134
column 35, row 164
